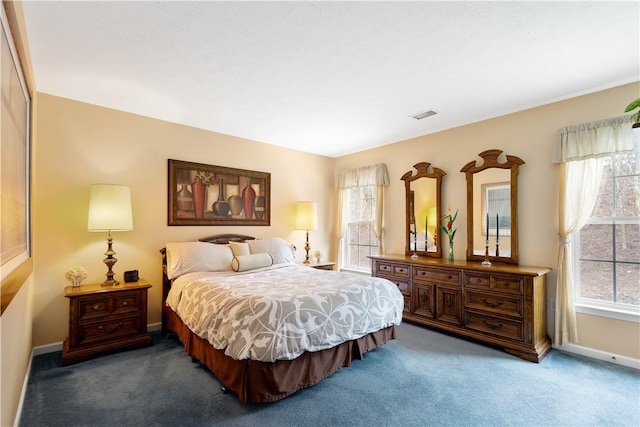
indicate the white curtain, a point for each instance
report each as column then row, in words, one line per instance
column 580, row 152
column 368, row 175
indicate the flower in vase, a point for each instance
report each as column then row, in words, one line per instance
column 448, row 228
column 76, row 274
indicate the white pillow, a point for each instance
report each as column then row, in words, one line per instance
column 280, row 250
column 239, row 248
column 188, row 257
column 249, row 262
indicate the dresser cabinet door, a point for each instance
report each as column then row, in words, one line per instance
column 448, row 304
column 424, row 301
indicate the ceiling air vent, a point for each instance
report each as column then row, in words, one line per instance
column 424, row 114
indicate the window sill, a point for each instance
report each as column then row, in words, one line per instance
column 612, row 313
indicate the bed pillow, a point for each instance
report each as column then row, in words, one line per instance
column 250, row 262
column 188, row 257
column 239, row 248
column 280, row 250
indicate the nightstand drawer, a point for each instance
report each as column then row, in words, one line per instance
column 97, row 306
column 90, row 333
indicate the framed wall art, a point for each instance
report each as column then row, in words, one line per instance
column 15, row 251
column 201, row 194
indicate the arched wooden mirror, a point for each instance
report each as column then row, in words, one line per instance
column 422, row 208
column 492, row 207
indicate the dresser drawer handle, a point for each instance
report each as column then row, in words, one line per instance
column 97, row 307
column 110, row 331
column 125, row 303
column 492, row 304
column 492, row 326
column 422, row 273
column 401, row 270
column 424, row 297
column 385, row 268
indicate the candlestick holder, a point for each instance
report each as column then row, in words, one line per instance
column 486, row 261
column 497, row 247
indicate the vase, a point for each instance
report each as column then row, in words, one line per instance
column 221, row 207
column 248, row 197
column 198, row 188
column 451, row 250
column 185, row 199
column 259, row 209
column 235, row 204
column 76, row 283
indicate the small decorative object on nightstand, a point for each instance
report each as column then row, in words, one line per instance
column 103, row 319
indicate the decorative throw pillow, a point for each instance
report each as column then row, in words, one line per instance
column 251, row 262
column 280, row 250
column 188, row 257
column 239, row 248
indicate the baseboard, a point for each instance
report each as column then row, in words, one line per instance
column 600, row 355
column 16, row 422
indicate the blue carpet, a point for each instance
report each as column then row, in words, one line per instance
column 424, row 378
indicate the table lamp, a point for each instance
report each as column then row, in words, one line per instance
column 110, row 210
column 307, row 219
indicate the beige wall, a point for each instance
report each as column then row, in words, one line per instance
column 529, row 135
column 78, row 144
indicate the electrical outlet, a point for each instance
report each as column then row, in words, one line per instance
column 551, row 305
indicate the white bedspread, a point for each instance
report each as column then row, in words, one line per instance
column 277, row 313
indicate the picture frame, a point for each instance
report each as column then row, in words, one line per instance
column 16, row 263
column 201, row 194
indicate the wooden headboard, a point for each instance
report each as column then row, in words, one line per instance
column 218, row 239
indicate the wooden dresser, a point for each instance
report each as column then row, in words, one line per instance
column 502, row 305
column 105, row 318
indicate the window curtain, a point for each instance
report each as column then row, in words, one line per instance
column 349, row 178
column 580, row 151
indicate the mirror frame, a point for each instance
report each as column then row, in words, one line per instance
column 422, row 171
column 490, row 160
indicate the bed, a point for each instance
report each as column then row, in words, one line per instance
column 265, row 326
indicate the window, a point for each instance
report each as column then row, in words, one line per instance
column 361, row 240
column 608, row 246
column 360, row 210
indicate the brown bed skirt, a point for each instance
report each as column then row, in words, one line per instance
column 255, row 381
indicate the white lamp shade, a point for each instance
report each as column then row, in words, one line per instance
column 307, row 216
column 110, row 208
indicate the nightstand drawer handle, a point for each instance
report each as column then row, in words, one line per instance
column 110, row 331
column 125, row 303
column 97, row 307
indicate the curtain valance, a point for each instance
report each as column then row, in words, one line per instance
column 594, row 139
column 366, row 175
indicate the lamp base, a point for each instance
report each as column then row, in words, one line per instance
column 110, row 260
column 307, row 247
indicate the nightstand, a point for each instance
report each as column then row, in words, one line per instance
column 105, row 318
column 321, row 265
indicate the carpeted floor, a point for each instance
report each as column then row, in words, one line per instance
column 423, row 378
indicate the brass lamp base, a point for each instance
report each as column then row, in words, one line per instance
column 307, row 247
column 110, row 260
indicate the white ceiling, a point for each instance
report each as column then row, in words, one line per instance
column 330, row 78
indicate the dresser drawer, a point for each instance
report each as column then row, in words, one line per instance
column 510, row 284
column 95, row 332
column 506, row 328
column 436, row 275
column 494, row 303
column 391, row 269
